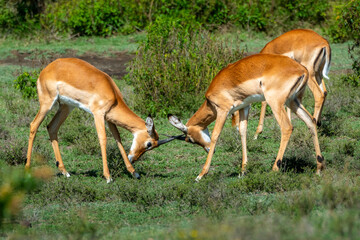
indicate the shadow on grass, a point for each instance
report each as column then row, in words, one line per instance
column 297, row 165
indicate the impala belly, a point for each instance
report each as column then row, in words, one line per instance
column 73, row 103
column 68, row 95
column 246, row 102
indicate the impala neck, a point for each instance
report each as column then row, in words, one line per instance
column 205, row 115
column 122, row 116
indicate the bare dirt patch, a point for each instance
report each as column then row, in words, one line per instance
column 114, row 65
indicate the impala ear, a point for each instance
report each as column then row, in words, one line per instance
column 149, row 123
column 176, row 122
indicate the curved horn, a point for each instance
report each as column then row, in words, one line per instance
column 161, row 142
column 176, row 122
column 178, row 137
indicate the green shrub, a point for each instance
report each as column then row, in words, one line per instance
column 26, row 84
column 106, row 17
column 19, row 17
column 88, row 17
column 347, row 27
column 13, row 186
column 174, row 66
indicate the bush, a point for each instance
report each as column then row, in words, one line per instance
column 19, row 16
column 348, row 28
column 88, row 17
column 174, row 66
column 26, row 84
column 106, row 17
column 13, row 186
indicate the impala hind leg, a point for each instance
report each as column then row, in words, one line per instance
column 219, row 124
column 128, row 165
column 306, row 117
column 100, row 128
column 319, row 97
column 261, row 119
column 286, row 130
column 53, row 128
column 244, row 114
column 34, row 126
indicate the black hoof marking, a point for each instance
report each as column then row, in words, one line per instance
column 320, row 159
column 136, row 175
column 57, row 164
column 278, row 163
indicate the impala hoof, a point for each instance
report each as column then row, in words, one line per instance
column 109, row 180
column 136, row 175
column 66, row 174
column 255, row 136
column 197, row 179
column 242, row 174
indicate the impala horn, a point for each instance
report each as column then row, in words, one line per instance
column 161, row 142
column 170, row 138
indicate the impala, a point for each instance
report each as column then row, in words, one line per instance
column 276, row 79
column 70, row 83
column 310, row 50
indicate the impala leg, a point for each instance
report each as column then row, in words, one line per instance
column 288, row 111
column 261, row 120
column 100, row 128
column 319, row 97
column 34, row 126
column 116, row 135
column 286, row 130
column 53, row 128
column 244, row 114
column 219, row 124
column 306, row 117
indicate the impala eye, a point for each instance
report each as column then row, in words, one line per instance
column 148, row 145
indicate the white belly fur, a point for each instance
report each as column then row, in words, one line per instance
column 247, row 101
column 73, row 103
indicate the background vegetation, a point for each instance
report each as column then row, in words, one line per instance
column 184, row 46
column 108, row 17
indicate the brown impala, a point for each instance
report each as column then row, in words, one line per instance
column 310, row 50
column 70, row 83
column 276, row 79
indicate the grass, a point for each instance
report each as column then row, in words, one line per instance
column 166, row 203
column 81, row 45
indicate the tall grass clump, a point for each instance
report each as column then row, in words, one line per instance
column 14, row 184
column 174, row 66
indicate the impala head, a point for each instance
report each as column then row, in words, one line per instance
column 145, row 140
column 193, row 134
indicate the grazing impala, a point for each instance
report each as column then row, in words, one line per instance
column 277, row 79
column 71, row 82
column 310, row 50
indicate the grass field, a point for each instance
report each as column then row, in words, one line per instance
column 166, row 203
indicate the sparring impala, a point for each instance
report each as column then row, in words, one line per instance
column 71, row 82
column 310, row 50
column 277, row 79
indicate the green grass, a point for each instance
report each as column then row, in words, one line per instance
column 98, row 45
column 166, row 203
